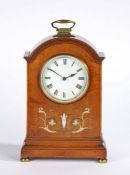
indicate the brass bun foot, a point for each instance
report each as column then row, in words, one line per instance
column 24, row 159
column 102, row 160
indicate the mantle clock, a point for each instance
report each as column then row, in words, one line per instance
column 64, row 98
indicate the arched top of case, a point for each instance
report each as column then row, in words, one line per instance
column 75, row 39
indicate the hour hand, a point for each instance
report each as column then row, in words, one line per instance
column 54, row 71
column 71, row 75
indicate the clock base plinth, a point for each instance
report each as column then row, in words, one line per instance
column 89, row 152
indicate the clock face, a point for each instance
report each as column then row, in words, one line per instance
column 64, row 78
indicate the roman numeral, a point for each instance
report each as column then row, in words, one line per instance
column 79, row 69
column 81, row 78
column 56, row 92
column 73, row 63
column 47, row 77
column 49, row 86
column 73, row 93
column 65, row 61
column 56, row 63
column 64, row 94
column 78, row 86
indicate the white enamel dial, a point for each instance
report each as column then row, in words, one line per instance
column 64, row 78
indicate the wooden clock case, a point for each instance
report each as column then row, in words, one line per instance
column 81, row 137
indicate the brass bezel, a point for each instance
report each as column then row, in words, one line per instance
column 67, row 101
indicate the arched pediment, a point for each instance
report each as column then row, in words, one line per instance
column 77, row 40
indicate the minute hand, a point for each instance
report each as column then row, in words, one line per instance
column 54, row 72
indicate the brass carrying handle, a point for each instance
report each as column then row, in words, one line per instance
column 62, row 21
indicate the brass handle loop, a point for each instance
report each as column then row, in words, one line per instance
column 62, row 21
column 62, row 32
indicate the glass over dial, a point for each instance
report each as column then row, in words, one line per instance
column 64, row 78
